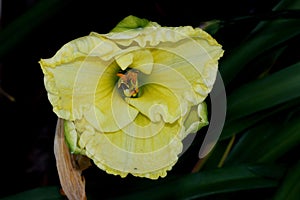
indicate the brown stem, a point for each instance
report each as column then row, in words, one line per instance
column 199, row 164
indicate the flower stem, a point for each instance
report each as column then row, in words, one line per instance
column 228, row 148
column 2, row 92
column 200, row 163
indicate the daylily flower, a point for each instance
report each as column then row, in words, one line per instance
column 129, row 97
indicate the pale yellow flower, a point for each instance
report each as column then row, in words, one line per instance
column 131, row 96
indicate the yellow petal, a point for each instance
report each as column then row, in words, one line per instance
column 63, row 69
column 140, row 59
column 145, row 155
column 125, row 60
column 157, row 103
column 177, row 84
column 190, row 51
column 108, row 112
column 153, row 35
column 195, row 119
column 111, row 112
column 196, row 64
column 143, row 128
column 81, row 84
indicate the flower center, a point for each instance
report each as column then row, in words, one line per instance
column 128, row 83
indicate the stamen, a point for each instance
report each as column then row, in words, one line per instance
column 128, row 82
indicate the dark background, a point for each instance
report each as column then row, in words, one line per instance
column 27, row 125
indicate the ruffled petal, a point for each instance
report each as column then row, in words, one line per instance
column 144, row 155
column 80, row 82
column 195, row 119
column 153, row 34
column 190, row 51
column 71, row 75
column 157, row 103
column 168, row 77
column 109, row 111
column 141, row 60
column 196, row 64
column 111, row 115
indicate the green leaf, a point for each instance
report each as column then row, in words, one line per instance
column 266, row 142
column 262, row 66
column 237, row 126
column 23, row 25
column 290, row 187
column 264, row 37
column 249, row 147
column 288, row 4
column 280, row 31
column 284, row 140
column 272, row 171
column 209, row 182
column 41, row 193
column 261, row 94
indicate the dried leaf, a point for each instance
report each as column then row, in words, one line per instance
column 71, row 180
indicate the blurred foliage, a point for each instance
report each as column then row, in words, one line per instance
column 261, row 71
